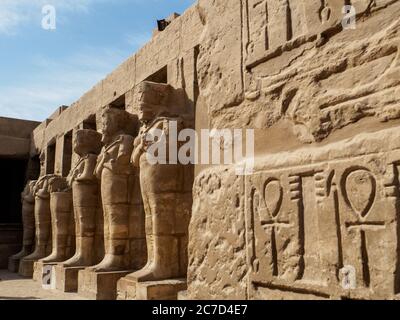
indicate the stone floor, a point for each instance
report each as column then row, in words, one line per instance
column 15, row 287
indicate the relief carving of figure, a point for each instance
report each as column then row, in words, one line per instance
column 61, row 220
column 85, row 192
column 117, row 177
column 42, row 219
column 28, row 221
column 166, row 191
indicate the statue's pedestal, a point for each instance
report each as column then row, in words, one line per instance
column 13, row 264
column 26, row 268
column 130, row 289
column 44, row 274
column 99, row 285
column 66, row 278
column 183, row 295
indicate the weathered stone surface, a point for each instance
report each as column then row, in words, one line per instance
column 310, row 214
column 130, row 289
column 99, row 285
column 124, row 237
column 28, row 221
column 43, row 240
column 166, row 193
column 314, row 218
column 86, row 207
column 66, row 278
column 317, row 218
column 63, row 233
column 217, row 242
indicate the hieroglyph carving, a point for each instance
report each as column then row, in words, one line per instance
column 307, row 224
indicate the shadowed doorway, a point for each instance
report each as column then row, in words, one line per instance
column 12, row 180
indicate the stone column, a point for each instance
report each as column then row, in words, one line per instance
column 85, row 193
column 28, row 222
column 62, row 228
column 61, row 220
column 123, row 222
column 42, row 226
column 166, row 191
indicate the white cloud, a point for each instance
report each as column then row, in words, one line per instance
column 14, row 13
column 10, row 18
column 57, row 83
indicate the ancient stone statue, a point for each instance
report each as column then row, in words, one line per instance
column 42, row 219
column 87, row 144
column 117, row 178
column 61, row 220
column 166, row 191
column 28, row 222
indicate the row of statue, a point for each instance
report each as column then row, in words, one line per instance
column 115, row 211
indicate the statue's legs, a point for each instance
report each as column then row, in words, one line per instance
column 167, row 216
column 61, row 215
column 85, row 208
column 43, row 228
column 115, row 191
column 28, row 222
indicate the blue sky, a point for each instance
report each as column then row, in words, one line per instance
column 43, row 69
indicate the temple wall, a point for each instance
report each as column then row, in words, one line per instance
column 15, row 141
column 15, row 136
column 322, row 204
column 172, row 49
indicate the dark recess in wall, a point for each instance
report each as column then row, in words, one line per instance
column 11, row 185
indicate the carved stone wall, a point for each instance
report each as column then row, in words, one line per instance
column 318, row 218
column 321, row 213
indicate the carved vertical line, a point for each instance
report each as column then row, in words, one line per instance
column 182, row 75
column 178, row 71
column 247, row 22
column 242, row 26
column 301, row 235
column 338, row 230
column 397, row 193
column 365, row 259
column 266, row 26
column 321, row 8
column 252, row 225
column 248, row 212
column 274, row 252
column 196, row 77
column 289, row 27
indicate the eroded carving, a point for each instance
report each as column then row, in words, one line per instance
column 166, row 191
column 63, row 235
column 333, row 215
column 85, row 191
column 117, row 178
column 42, row 219
column 28, row 222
